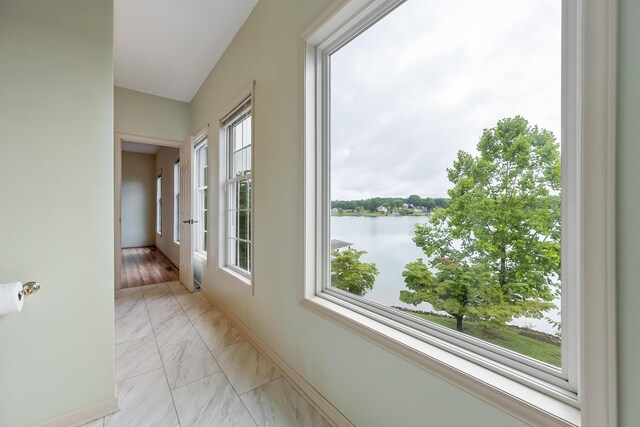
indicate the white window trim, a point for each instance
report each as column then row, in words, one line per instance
column 176, row 206
column 595, row 345
column 198, row 254
column 159, row 204
column 239, row 276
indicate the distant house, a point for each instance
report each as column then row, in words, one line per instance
column 334, row 210
column 382, row 209
column 405, row 206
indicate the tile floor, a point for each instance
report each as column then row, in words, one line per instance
column 180, row 362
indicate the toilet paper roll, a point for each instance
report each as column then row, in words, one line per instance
column 11, row 298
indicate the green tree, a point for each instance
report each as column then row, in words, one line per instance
column 350, row 274
column 460, row 290
column 503, row 217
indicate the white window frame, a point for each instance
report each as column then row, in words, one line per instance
column 201, row 186
column 584, row 394
column 240, row 112
column 176, row 201
column 159, row 204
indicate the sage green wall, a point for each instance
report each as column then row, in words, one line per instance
column 141, row 114
column 138, row 200
column 56, row 209
column 369, row 385
column 628, row 205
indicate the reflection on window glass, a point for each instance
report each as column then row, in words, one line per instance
column 238, row 133
column 201, row 196
column 445, row 169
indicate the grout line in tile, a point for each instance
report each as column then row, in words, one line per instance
column 199, row 379
column 135, row 376
column 214, row 358
column 262, row 385
column 166, row 377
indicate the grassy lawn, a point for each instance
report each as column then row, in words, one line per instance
column 506, row 337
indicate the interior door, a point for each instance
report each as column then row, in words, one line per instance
column 186, row 235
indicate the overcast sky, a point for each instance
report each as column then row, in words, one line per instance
column 425, row 81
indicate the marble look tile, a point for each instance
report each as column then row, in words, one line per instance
column 151, row 288
column 216, row 331
column 144, row 401
column 278, row 404
column 154, row 292
column 136, row 357
column 128, row 292
column 163, row 309
column 245, row 368
column 210, row 401
column 96, row 423
column 194, row 305
column 126, row 303
column 174, row 330
column 177, row 288
column 187, row 361
column 135, row 324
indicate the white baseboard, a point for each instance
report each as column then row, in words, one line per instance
column 171, row 260
column 322, row 405
column 86, row 414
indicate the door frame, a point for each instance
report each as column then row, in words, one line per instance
column 119, row 138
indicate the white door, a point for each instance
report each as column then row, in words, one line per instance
column 186, row 226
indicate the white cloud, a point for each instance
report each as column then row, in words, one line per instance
column 426, row 80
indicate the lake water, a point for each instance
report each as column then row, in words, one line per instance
column 388, row 242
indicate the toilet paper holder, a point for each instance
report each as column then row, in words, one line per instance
column 30, row 288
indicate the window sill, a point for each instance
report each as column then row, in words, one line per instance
column 238, row 277
column 529, row 405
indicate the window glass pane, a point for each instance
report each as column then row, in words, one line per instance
column 247, row 124
column 247, row 160
column 243, row 254
column 445, row 168
column 238, row 136
column 237, row 164
column 242, row 221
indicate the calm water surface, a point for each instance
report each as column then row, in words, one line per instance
column 388, row 242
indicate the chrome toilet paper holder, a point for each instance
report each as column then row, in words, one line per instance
column 30, row 288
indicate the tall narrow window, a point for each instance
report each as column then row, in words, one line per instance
column 176, row 201
column 201, row 197
column 159, row 204
column 238, row 136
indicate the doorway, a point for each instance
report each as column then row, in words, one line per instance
column 149, row 208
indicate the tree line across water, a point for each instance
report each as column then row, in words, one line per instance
column 492, row 249
column 426, row 204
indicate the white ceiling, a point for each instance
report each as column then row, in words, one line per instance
column 168, row 47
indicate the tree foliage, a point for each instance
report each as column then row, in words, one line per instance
column 350, row 274
column 502, row 227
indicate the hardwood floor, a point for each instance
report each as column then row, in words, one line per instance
column 145, row 266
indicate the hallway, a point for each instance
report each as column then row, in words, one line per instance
column 145, row 266
column 180, row 362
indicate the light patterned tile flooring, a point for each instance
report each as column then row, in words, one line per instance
column 180, row 362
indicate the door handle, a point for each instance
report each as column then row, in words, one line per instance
column 190, row 221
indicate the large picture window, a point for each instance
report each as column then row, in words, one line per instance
column 239, row 148
column 201, row 180
column 445, row 194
